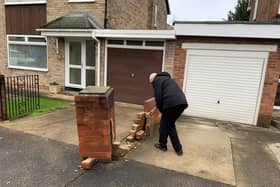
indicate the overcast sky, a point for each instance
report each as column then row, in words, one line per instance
column 201, row 10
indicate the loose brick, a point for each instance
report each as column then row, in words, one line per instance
column 139, row 121
column 132, row 133
column 140, row 135
column 130, row 138
column 136, row 127
column 88, row 163
column 141, row 115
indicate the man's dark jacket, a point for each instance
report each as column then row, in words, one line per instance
column 167, row 92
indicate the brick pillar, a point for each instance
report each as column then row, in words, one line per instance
column 95, row 121
column 3, row 107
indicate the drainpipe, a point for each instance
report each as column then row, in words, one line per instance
column 106, row 15
column 98, row 57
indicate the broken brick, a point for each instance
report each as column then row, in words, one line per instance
column 88, row 163
column 140, row 135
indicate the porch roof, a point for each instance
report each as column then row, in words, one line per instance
column 73, row 20
column 110, row 33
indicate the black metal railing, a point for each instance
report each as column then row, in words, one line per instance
column 22, row 95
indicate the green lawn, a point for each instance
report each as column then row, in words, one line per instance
column 46, row 105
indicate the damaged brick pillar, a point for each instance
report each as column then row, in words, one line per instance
column 3, row 102
column 96, row 123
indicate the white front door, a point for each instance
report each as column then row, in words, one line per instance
column 80, row 63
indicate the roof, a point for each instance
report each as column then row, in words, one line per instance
column 168, row 7
column 228, row 29
column 73, row 20
column 226, row 22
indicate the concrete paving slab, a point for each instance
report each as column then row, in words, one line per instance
column 207, row 152
column 254, row 164
column 275, row 148
column 61, row 125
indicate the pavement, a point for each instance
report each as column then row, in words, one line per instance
column 43, row 151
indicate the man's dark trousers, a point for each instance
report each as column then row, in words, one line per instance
column 168, row 128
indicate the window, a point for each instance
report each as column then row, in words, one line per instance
column 27, row 52
column 116, row 42
column 16, row 2
column 279, row 9
column 134, row 42
column 154, row 43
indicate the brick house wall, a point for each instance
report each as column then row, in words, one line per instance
column 3, row 44
column 161, row 15
column 128, row 14
column 133, row 14
column 60, row 8
column 169, row 56
column 272, row 74
column 267, row 10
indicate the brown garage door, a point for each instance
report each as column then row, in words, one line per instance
column 128, row 71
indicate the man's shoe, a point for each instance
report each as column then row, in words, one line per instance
column 180, row 153
column 160, row 147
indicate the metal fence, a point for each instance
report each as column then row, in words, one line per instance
column 22, row 95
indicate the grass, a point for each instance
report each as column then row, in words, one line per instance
column 49, row 105
column 46, row 105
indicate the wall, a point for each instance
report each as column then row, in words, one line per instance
column 58, row 8
column 161, row 15
column 130, row 14
column 3, row 44
column 169, row 56
column 267, row 10
column 272, row 74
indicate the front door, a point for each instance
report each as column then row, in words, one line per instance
column 80, row 63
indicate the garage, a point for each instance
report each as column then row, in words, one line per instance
column 129, row 68
column 224, row 84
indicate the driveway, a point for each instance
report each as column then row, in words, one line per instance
column 43, row 150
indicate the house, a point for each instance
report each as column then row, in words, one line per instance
column 78, row 43
column 230, row 70
column 264, row 10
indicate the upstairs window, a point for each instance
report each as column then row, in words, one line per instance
column 18, row 2
column 27, row 52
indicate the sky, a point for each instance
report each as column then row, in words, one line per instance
column 200, row 10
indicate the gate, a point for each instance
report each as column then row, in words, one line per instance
column 20, row 96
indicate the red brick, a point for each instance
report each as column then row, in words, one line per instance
column 149, row 104
column 141, row 115
column 88, row 163
column 136, row 127
column 130, row 138
column 140, row 135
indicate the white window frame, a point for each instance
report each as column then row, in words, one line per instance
column 26, row 42
column 26, row 2
column 80, row 1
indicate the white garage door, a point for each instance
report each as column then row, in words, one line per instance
column 224, row 85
